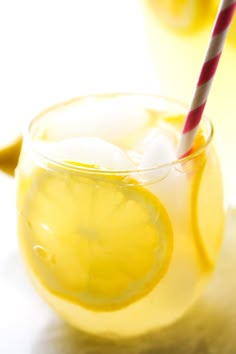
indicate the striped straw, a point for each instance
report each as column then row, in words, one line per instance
column 212, row 57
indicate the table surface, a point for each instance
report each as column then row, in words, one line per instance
column 28, row 326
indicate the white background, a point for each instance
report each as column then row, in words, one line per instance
column 55, row 50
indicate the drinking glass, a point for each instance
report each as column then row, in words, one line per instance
column 118, row 235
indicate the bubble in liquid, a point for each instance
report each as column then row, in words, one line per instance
column 43, row 254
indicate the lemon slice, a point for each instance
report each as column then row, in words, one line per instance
column 182, row 15
column 207, row 209
column 9, row 156
column 206, row 195
column 94, row 239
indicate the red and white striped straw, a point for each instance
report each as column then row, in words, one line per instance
column 212, row 57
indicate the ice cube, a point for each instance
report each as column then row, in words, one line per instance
column 87, row 150
column 113, row 120
column 157, row 150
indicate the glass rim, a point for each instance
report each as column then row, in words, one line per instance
column 55, row 163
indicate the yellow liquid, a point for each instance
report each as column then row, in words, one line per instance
column 189, row 197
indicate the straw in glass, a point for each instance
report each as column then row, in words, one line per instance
column 208, row 70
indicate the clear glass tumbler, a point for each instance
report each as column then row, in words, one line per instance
column 118, row 235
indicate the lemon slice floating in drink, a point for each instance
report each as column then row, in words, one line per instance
column 206, row 202
column 207, row 210
column 96, row 240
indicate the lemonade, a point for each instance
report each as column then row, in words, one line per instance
column 118, row 236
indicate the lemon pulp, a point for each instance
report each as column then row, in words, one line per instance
column 97, row 240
